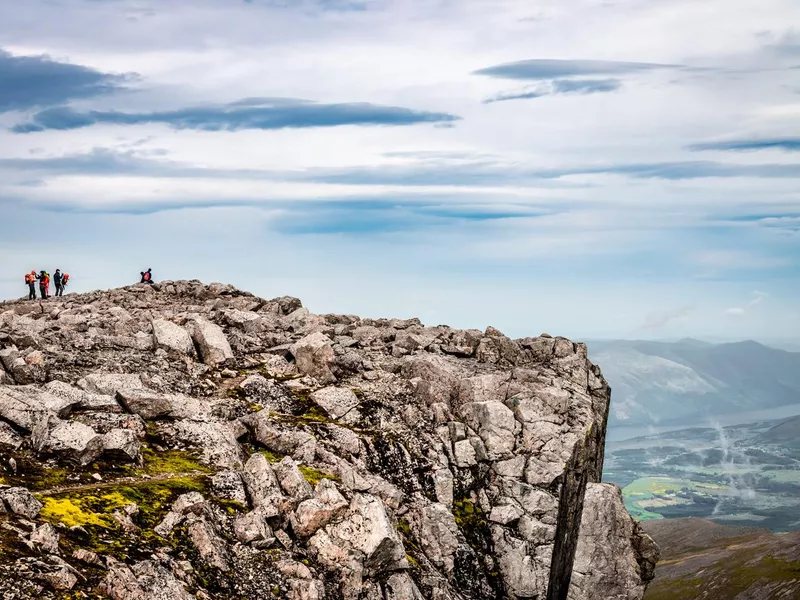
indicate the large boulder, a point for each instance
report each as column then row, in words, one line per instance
column 73, row 441
column 172, row 337
column 339, row 403
column 314, row 355
column 215, row 350
column 315, row 513
column 262, row 485
column 615, row 558
column 367, row 529
column 145, row 580
column 19, row 501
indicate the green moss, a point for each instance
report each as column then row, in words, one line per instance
column 273, row 457
column 412, row 561
column 170, row 461
column 359, row 393
column 94, row 506
column 232, row 507
column 314, row 476
column 472, row 522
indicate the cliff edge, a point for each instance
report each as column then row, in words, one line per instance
column 181, row 440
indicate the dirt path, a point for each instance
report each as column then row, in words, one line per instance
column 82, row 487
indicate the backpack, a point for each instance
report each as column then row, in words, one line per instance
column 147, row 276
column 28, row 278
column 65, row 278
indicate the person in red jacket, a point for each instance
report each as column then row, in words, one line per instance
column 43, row 279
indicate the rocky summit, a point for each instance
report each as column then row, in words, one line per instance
column 181, row 440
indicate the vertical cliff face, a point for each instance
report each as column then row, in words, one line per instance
column 192, row 441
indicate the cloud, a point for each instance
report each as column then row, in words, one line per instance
column 554, row 68
column 787, row 44
column 251, row 113
column 659, row 319
column 438, row 171
column 788, row 144
column 756, row 298
column 37, row 81
column 560, row 87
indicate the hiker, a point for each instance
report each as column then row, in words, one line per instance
column 30, row 279
column 147, row 276
column 47, row 284
column 64, row 282
column 58, row 280
column 42, row 279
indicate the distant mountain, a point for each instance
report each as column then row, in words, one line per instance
column 657, row 382
column 702, row 559
column 787, row 433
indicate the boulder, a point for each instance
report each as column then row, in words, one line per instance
column 21, row 407
column 209, row 545
column 172, row 337
column 292, row 481
column 19, row 501
column 368, row 529
column 45, row 538
column 252, row 528
column 262, row 485
column 146, row 580
column 317, row 512
column 73, row 441
column 313, row 356
column 615, row 558
column 211, row 342
column 228, row 485
column 337, row 402
column 110, row 383
column 122, row 444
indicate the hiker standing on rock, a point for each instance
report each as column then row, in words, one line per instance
column 58, row 279
column 147, row 276
column 42, row 278
column 30, row 279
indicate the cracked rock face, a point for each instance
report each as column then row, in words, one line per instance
column 191, row 441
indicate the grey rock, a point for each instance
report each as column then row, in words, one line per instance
column 614, row 558
column 110, row 383
column 368, row 529
column 313, row 356
column 292, row 481
column 211, row 342
column 400, row 586
column 73, row 441
column 337, row 402
column 122, row 444
column 252, row 528
column 209, row 545
column 146, row 580
column 262, row 485
column 45, row 538
column 495, row 424
column 315, row 513
column 19, row 501
column 435, row 528
column 228, row 485
column 171, row 336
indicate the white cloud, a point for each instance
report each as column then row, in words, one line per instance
column 600, row 245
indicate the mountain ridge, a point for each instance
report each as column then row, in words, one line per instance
column 183, row 440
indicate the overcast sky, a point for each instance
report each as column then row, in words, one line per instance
column 590, row 168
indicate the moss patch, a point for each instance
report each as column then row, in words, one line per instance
column 94, row 506
column 314, row 476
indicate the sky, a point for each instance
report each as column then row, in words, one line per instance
column 587, row 168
